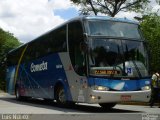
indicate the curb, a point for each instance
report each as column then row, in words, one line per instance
column 138, row 103
column 3, row 94
column 135, row 103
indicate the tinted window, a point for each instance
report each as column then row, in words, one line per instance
column 75, row 38
column 54, row 41
column 114, row 29
column 13, row 57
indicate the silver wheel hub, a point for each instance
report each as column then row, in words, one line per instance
column 62, row 97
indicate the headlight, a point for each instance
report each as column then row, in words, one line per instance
column 146, row 88
column 100, row 88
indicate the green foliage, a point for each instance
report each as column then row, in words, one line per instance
column 158, row 1
column 7, row 42
column 110, row 7
column 150, row 26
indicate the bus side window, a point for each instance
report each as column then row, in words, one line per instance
column 60, row 39
column 75, row 38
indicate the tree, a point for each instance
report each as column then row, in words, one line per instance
column 150, row 25
column 158, row 1
column 110, row 7
column 7, row 42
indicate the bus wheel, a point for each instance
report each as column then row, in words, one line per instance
column 60, row 96
column 18, row 96
column 48, row 100
column 107, row 105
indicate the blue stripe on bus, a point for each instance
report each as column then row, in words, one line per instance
column 120, row 85
column 35, row 74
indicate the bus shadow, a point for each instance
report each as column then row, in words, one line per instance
column 77, row 108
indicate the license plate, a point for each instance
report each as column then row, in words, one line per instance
column 125, row 97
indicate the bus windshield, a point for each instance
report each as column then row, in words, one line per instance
column 116, row 49
column 113, row 29
column 117, row 58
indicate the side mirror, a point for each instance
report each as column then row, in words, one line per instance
column 85, row 36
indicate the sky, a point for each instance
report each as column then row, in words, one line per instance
column 28, row 19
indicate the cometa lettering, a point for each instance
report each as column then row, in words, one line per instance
column 39, row 67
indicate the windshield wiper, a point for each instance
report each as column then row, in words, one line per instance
column 123, row 60
column 137, row 69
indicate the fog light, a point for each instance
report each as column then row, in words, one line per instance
column 146, row 88
column 101, row 88
column 93, row 97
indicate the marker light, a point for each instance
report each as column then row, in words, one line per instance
column 146, row 88
column 93, row 97
column 100, row 88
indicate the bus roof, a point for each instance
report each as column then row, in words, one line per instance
column 81, row 18
column 104, row 18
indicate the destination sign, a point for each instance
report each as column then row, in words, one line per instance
column 106, row 72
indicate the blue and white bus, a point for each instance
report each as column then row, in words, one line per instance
column 89, row 59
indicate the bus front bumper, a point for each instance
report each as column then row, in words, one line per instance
column 96, row 96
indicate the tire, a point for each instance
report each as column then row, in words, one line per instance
column 18, row 96
column 107, row 105
column 60, row 96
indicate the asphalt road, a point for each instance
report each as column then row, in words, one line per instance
column 11, row 109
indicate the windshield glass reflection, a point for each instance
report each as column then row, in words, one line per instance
column 117, row 57
column 114, row 29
